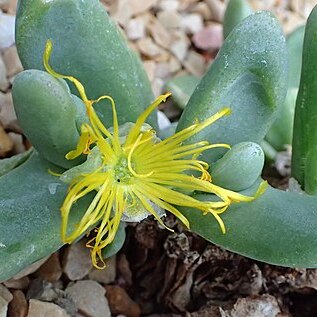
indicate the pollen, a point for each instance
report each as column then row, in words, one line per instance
column 134, row 174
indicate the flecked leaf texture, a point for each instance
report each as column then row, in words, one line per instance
column 280, row 227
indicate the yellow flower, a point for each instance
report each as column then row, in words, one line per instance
column 134, row 174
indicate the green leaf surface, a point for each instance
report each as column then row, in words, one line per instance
column 249, row 75
column 304, row 159
column 281, row 131
column 48, row 114
column 236, row 11
column 294, row 43
column 116, row 244
column 30, row 219
column 239, row 168
column 182, row 87
column 8, row 164
column 278, row 228
column 88, row 46
column 29, row 215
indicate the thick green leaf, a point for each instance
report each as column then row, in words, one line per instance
column 281, row 131
column 29, row 215
column 294, row 43
column 249, row 75
column 89, row 46
column 182, row 87
column 8, row 164
column 278, row 228
column 304, row 159
column 236, row 11
column 239, row 168
column 116, row 244
column 48, row 114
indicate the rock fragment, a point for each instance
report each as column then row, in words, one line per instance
column 209, row 38
column 121, row 303
column 89, row 297
column 77, row 261
column 12, row 61
column 45, row 309
column 18, row 307
column 106, row 276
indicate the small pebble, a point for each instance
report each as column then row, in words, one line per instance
column 12, row 61
column 77, row 261
column 192, row 23
column 51, row 270
column 121, row 303
column 89, row 297
column 7, row 27
column 209, row 38
column 18, row 307
column 44, row 309
column 135, row 29
column 195, row 63
column 148, row 48
column 106, row 276
column 170, row 19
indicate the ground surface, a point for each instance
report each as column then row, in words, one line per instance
column 156, row 273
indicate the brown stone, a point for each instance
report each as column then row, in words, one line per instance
column 51, row 270
column 7, row 113
column 21, row 284
column 6, row 144
column 10, row 6
column 17, row 140
column 18, row 307
column 121, row 303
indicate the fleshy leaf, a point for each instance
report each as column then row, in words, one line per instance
column 249, row 75
column 281, row 131
column 116, row 244
column 48, row 114
column 8, row 164
column 278, row 228
column 304, row 159
column 236, row 11
column 239, row 168
column 182, row 88
column 294, row 43
column 29, row 215
column 88, row 46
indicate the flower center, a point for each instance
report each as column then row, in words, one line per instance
column 121, row 171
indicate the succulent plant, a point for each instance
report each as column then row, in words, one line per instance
column 59, row 107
